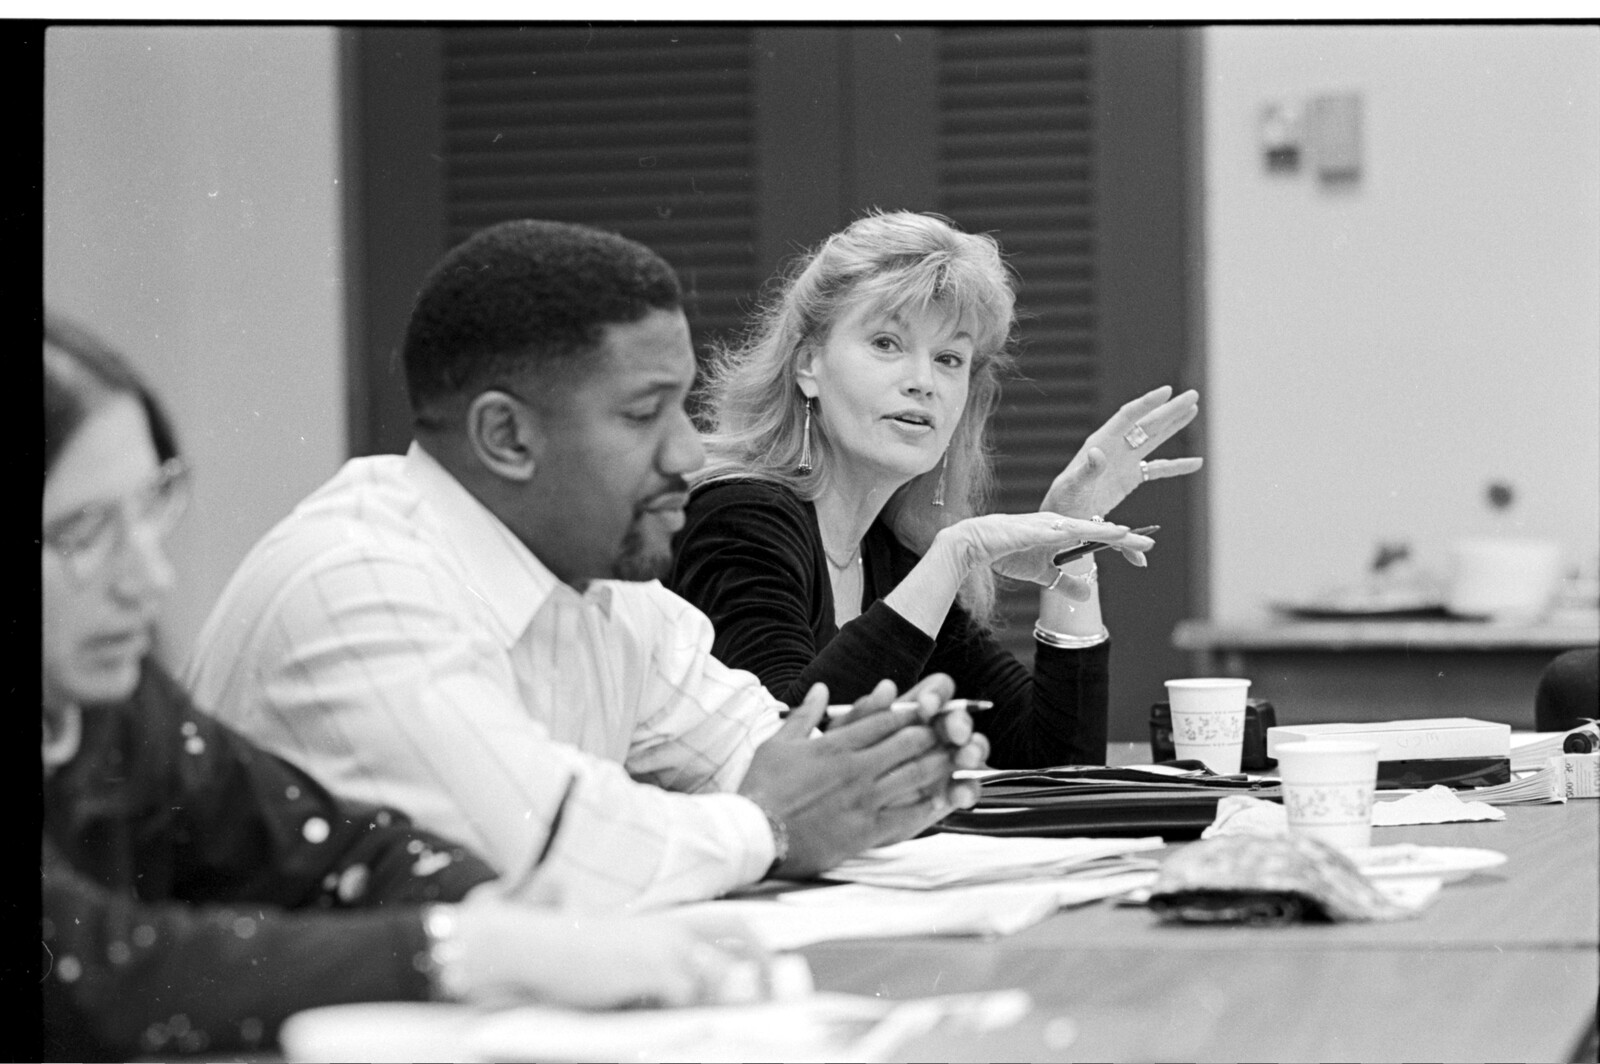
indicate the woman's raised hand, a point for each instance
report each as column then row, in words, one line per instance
column 1021, row 545
column 1115, row 459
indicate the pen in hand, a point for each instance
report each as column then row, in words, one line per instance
column 971, row 705
column 1081, row 549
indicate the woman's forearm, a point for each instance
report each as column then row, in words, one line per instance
column 924, row 597
column 1059, row 613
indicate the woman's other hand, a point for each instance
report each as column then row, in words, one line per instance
column 1115, row 459
column 507, row 953
column 1021, row 546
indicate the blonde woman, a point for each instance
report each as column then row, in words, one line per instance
column 838, row 531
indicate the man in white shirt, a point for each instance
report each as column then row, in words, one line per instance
column 473, row 632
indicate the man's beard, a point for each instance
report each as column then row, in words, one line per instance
column 637, row 561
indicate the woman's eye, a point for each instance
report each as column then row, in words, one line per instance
column 953, row 360
column 886, row 343
column 643, row 417
column 81, row 531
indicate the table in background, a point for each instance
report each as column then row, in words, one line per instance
column 1355, row 670
column 1504, row 965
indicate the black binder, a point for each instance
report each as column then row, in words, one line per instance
column 1099, row 801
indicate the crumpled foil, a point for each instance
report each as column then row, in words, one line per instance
column 1264, row 881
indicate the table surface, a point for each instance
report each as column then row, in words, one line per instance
column 1504, row 965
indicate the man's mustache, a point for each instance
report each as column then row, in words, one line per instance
column 674, row 495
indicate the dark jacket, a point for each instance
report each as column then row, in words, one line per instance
column 196, row 890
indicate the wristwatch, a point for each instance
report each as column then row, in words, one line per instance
column 444, row 953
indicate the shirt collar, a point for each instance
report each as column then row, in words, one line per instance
column 503, row 573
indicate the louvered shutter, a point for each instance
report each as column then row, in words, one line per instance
column 645, row 131
column 1015, row 159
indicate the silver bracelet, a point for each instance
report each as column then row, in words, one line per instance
column 1069, row 642
column 444, row 953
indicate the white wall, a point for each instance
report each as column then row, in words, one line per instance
column 1377, row 355
column 193, row 219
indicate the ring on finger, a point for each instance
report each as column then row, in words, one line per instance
column 1136, row 437
column 1144, row 472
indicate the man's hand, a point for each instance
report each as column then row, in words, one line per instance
column 878, row 776
column 953, row 726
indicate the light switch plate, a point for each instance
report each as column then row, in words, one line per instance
column 1333, row 137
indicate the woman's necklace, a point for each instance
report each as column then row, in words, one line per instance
column 850, row 559
column 847, row 581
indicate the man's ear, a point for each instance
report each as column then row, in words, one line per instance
column 505, row 435
column 804, row 373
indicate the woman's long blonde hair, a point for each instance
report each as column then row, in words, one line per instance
column 751, row 402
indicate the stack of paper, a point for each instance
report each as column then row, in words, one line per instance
column 1557, row 778
column 947, row 860
column 1539, row 787
column 943, row 885
column 1530, row 750
column 854, row 910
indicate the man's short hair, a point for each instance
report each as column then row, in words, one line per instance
column 520, row 296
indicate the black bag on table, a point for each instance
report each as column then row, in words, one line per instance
column 1102, row 801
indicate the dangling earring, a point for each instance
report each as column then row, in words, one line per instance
column 938, row 489
column 804, row 468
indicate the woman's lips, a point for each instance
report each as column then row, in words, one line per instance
column 116, row 649
column 913, row 429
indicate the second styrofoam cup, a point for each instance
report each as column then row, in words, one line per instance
column 1328, row 787
column 1208, row 720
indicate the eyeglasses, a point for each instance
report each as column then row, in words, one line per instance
column 90, row 537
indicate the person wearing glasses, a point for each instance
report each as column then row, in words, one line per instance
column 837, row 532
column 196, row 890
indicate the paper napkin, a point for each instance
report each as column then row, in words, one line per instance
column 1436, row 805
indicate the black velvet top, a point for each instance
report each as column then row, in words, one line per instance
column 196, row 891
column 750, row 557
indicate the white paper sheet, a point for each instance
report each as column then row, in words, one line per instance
column 818, row 1027
column 854, row 910
column 1240, row 814
column 824, row 1027
column 947, row 859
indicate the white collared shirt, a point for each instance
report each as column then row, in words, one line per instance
column 395, row 639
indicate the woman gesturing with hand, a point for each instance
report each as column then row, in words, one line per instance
column 838, row 533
